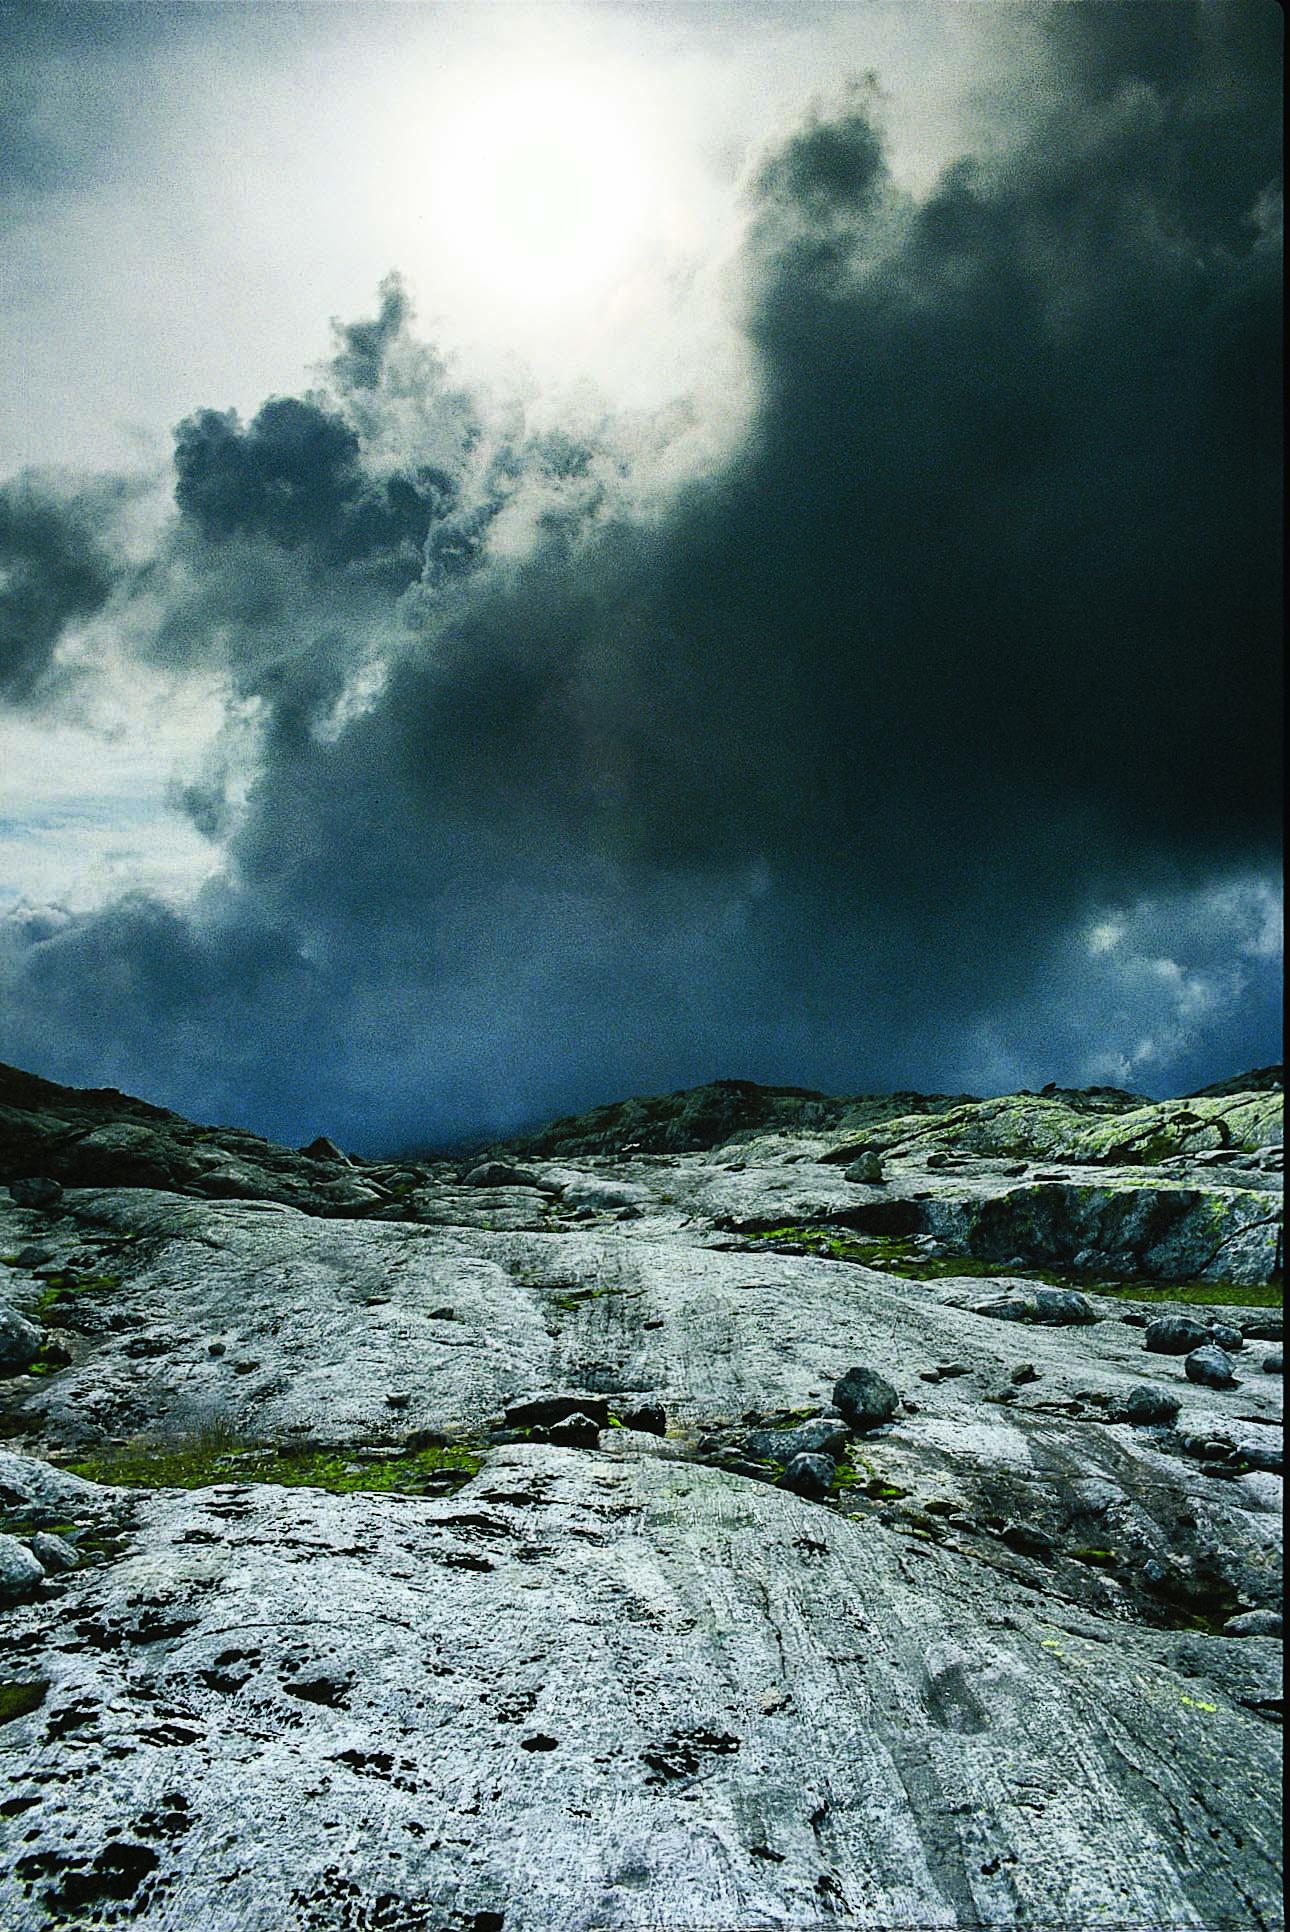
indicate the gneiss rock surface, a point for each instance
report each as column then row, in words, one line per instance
column 911, row 1616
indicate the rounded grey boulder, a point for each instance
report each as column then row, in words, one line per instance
column 53, row 1553
column 809, row 1475
column 866, row 1170
column 820, row 1437
column 1211, row 1367
column 36, row 1192
column 865, row 1398
column 1146, row 1405
column 20, row 1342
column 499, row 1174
column 1254, row 1623
column 20, row 1571
column 1274, row 1364
column 1174, row 1335
column 1046, row 1307
column 1225, row 1335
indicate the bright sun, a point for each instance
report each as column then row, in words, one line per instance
column 540, row 193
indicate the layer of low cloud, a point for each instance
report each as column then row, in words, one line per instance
column 929, row 738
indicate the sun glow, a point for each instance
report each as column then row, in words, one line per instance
column 543, row 193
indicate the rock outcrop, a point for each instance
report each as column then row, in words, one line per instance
column 633, row 1537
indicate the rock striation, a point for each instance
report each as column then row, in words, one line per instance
column 646, row 1525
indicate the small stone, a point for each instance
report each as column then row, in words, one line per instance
column 1174, row 1335
column 1146, row 1406
column 33, row 1257
column 1273, row 1364
column 1224, row 1335
column 866, row 1171
column 809, row 1475
column 397, row 1399
column 54, row 1553
column 1024, row 1372
column 1254, row 1623
column 38, row 1191
column 20, row 1571
column 1211, row 1367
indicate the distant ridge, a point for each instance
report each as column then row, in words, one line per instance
column 1260, row 1080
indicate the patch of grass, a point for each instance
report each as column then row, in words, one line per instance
column 571, row 1298
column 196, row 1463
column 1210, row 1294
column 865, row 1481
column 20, row 1699
column 898, row 1256
column 1098, row 1559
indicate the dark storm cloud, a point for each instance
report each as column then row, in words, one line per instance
column 818, row 773
column 55, row 571
column 362, row 347
column 295, row 475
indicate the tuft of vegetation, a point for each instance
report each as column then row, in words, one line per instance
column 199, row 1461
column 894, row 1255
column 19, row 1699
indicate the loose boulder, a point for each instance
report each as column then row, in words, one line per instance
column 1211, row 1367
column 866, row 1170
column 1046, row 1307
column 1174, row 1335
column 500, row 1174
column 1226, row 1336
column 1254, row 1623
column 865, row 1398
column 825, row 1436
column 1146, row 1406
column 574, row 1432
column 649, row 1418
column 20, row 1571
column 20, row 1342
column 809, row 1475
column 37, row 1192
column 53, row 1553
column 545, row 1411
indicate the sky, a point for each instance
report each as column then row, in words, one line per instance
column 550, row 552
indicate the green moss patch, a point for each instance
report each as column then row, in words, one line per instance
column 19, row 1699
column 197, row 1464
column 893, row 1255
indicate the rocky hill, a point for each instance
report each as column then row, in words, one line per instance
column 741, row 1509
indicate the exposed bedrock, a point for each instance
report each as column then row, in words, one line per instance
column 637, row 1538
